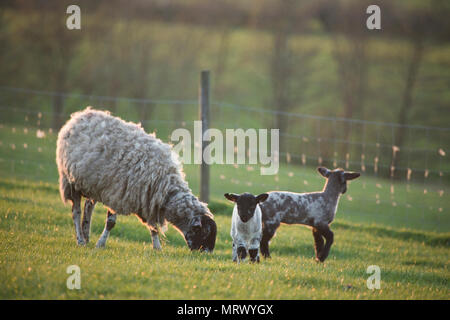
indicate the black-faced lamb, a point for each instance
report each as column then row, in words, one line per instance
column 314, row 209
column 108, row 160
column 246, row 225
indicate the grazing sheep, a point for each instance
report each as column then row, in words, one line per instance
column 246, row 227
column 108, row 160
column 315, row 209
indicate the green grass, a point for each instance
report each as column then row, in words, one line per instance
column 410, row 241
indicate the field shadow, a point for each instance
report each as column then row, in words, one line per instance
column 421, row 278
column 16, row 200
column 425, row 263
column 137, row 232
column 433, row 240
column 306, row 250
column 23, row 185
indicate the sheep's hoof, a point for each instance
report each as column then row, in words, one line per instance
column 86, row 239
column 100, row 245
column 241, row 253
column 81, row 242
column 255, row 260
column 320, row 259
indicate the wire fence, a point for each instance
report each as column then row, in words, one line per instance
column 401, row 158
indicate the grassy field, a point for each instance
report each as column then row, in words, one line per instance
column 406, row 234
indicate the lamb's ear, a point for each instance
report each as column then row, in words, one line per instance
column 231, row 196
column 324, row 171
column 262, row 197
column 351, row 175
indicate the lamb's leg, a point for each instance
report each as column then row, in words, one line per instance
column 155, row 240
column 239, row 251
column 86, row 221
column 110, row 223
column 329, row 237
column 253, row 250
column 234, row 252
column 267, row 233
column 76, row 216
column 318, row 242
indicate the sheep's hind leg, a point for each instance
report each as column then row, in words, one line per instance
column 76, row 216
column 110, row 223
column 329, row 237
column 86, row 220
column 155, row 240
column 318, row 242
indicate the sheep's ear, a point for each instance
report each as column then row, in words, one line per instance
column 262, row 197
column 231, row 196
column 324, row 171
column 196, row 222
column 351, row 175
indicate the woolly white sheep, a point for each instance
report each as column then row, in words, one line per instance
column 246, row 225
column 108, row 160
column 315, row 209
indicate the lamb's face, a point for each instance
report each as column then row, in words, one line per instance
column 338, row 177
column 246, row 203
column 201, row 234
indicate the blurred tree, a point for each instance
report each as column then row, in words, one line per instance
column 421, row 27
column 288, row 70
column 221, row 63
column 54, row 46
column 345, row 21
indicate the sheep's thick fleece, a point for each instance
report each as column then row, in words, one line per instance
column 117, row 163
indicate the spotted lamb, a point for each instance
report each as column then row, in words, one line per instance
column 314, row 209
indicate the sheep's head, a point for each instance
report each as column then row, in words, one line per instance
column 338, row 177
column 246, row 203
column 201, row 233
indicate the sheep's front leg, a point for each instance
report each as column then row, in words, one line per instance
column 76, row 216
column 86, row 221
column 329, row 237
column 239, row 251
column 155, row 240
column 253, row 250
column 110, row 223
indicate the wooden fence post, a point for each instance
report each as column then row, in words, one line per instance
column 204, row 117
